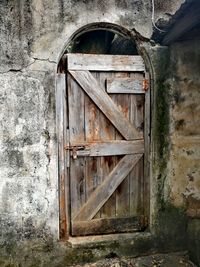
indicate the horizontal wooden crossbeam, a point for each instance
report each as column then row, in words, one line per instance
column 108, row 226
column 125, row 86
column 105, row 62
column 108, row 148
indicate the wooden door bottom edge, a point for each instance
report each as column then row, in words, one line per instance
column 109, row 226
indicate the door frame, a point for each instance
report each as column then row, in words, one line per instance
column 61, row 119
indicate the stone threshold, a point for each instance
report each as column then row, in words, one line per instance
column 92, row 240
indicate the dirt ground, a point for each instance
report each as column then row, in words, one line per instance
column 158, row 260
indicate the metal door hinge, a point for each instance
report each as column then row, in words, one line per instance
column 145, row 84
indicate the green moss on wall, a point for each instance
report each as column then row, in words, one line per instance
column 161, row 119
column 171, row 228
column 194, row 240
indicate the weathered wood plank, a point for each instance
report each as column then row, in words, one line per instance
column 106, row 189
column 122, row 192
column 133, row 182
column 76, row 111
column 110, row 148
column 66, row 158
column 124, row 86
column 136, row 189
column 107, row 163
column 108, row 225
column 60, row 98
column 136, row 175
column 77, row 133
column 105, row 104
column 92, row 133
column 137, row 181
column 105, row 62
column 147, row 140
column 139, row 113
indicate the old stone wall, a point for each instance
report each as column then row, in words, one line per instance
column 33, row 36
column 185, row 130
column 185, row 136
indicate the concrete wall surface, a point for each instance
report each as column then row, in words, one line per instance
column 185, row 137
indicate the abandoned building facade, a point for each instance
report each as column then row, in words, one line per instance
column 100, row 130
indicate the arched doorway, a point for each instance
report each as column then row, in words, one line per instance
column 103, row 109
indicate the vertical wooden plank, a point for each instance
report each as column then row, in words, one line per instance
column 147, row 149
column 109, row 162
column 66, row 157
column 140, row 125
column 136, row 176
column 122, row 192
column 92, row 133
column 136, row 188
column 77, row 134
column 60, row 125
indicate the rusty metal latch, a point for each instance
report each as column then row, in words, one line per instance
column 145, row 84
column 74, row 150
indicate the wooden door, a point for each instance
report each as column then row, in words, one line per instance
column 106, row 145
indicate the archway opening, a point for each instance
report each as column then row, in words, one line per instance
column 103, row 42
column 100, row 39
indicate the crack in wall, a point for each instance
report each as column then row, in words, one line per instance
column 27, row 66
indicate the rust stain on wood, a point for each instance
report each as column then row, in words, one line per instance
column 145, row 84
